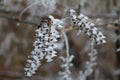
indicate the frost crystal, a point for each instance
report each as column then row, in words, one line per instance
column 89, row 64
column 67, row 61
column 66, row 66
column 44, row 46
column 87, row 27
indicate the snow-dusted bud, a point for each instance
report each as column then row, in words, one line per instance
column 87, row 27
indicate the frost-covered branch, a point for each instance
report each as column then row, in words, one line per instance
column 65, row 75
column 47, row 36
column 89, row 64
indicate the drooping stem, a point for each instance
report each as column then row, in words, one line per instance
column 66, row 42
column 36, row 2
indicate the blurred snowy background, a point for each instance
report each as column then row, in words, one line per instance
column 17, row 37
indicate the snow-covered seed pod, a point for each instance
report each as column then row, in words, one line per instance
column 87, row 27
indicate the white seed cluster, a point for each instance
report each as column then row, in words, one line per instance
column 44, row 46
column 87, row 27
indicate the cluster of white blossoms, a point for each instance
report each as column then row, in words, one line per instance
column 44, row 46
column 87, row 27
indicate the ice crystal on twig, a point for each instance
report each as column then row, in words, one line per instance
column 44, row 46
column 87, row 27
column 89, row 64
column 65, row 75
column 66, row 61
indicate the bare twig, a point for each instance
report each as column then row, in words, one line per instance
column 33, row 23
column 66, row 42
column 66, row 29
column 19, row 21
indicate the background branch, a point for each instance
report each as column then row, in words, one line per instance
column 19, row 21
